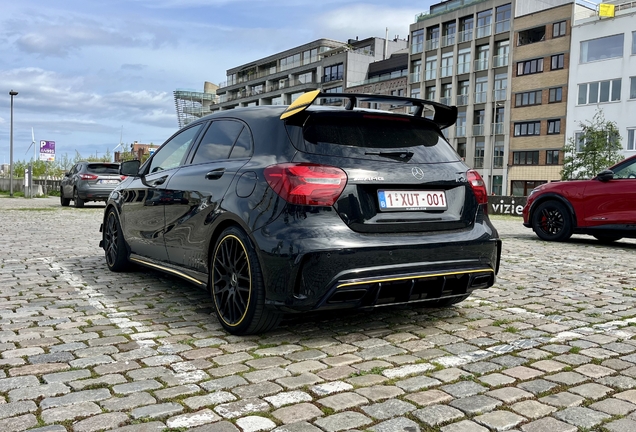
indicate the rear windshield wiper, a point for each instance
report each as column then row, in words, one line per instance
column 397, row 155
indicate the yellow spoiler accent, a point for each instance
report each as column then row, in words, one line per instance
column 300, row 104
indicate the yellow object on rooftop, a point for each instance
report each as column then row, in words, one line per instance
column 606, row 10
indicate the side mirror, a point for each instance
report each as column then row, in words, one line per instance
column 605, row 175
column 130, row 168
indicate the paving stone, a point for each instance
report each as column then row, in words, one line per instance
column 255, row 424
column 330, row 388
column 388, row 409
column 475, row 404
column 211, row 399
column 499, row 420
column 16, row 408
column 614, row 407
column 297, row 413
column 162, row 410
column 464, row 426
column 70, row 399
column 591, row 391
column 149, row 427
column 177, row 392
column 223, row 383
column 379, row 392
column 70, row 412
column 396, row 424
column 128, row 402
column 342, row 401
column 532, row 409
column 299, row 381
column 101, row 422
column 297, row 427
column 288, row 398
column 407, row 370
column 537, row 386
column 193, row 419
column 567, row 378
column 434, row 415
column 496, row 379
column 463, row 389
column 622, row 425
column 137, row 386
column 618, row 382
column 24, row 422
column 242, row 407
column 46, row 390
column 581, row 417
column 629, row 396
column 343, row 421
column 562, row 400
column 7, row 384
column 429, row 397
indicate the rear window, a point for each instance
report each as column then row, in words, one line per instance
column 103, row 168
column 374, row 136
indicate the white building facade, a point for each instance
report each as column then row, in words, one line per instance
column 603, row 74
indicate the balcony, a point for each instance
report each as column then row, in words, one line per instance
column 446, row 71
column 483, row 31
column 502, row 26
column 431, row 44
column 481, row 64
column 463, row 68
column 478, row 162
column 416, row 48
column 462, row 99
column 446, row 100
column 430, row 74
column 497, row 162
column 497, row 128
column 448, row 40
column 465, row 36
column 332, row 77
column 500, row 95
column 500, row 60
column 415, row 77
column 478, row 130
column 481, row 97
column 460, row 131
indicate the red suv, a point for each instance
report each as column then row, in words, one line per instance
column 604, row 207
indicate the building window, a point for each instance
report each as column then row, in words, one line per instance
column 557, row 61
column 447, row 64
column 552, row 157
column 632, row 87
column 599, row 91
column 579, row 139
column 530, row 67
column 432, row 38
column 430, row 68
column 558, row 29
column 463, row 89
column 461, row 150
column 631, row 139
column 479, row 154
column 481, row 89
column 333, row 73
column 634, row 42
column 483, row 53
column 484, row 23
column 530, row 36
column 602, row 48
column 528, row 98
column 466, row 25
column 463, row 61
column 448, row 33
column 523, row 187
column 415, row 93
column 430, row 93
column 556, row 95
column 497, row 182
column 502, row 18
column 554, row 127
column 498, row 155
column 525, row 157
column 527, row 128
column 417, row 44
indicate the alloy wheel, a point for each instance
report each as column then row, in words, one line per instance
column 231, row 279
column 551, row 221
column 110, row 240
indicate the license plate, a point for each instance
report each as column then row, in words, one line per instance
column 412, row 200
column 109, row 181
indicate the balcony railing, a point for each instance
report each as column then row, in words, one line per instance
column 502, row 26
column 448, row 40
column 465, row 36
column 498, row 128
column 446, row 100
column 332, row 77
column 500, row 95
column 460, row 131
column 478, row 129
column 417, row 48
column 481, row 64
column 481, row 97
column 446, row 71
column 415, row 77
column 497, row 162
column 483, row 31
column 463, row 68
column 430, row 74
column 462, row 99
column 478, row 162
column 431, row 44
column 500, row 60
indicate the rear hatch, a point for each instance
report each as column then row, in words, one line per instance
column 402, row 176
column 102, row 175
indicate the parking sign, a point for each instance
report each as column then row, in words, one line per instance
column 47, row 151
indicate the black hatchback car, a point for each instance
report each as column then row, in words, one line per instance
column 308, row 207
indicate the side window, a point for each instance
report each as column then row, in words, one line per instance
column 171, row 154
column 217, row 141
column 243, row 145
column 626, row 171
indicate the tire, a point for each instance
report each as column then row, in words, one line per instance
column 606, row 239
column 236, row 285
column 64, row 201
column 551, row 221
column 77, row 201
column 114, row 244
column 446, row 302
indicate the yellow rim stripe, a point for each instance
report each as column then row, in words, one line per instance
column 169, row 270
column 300, row 104
column 414, row 277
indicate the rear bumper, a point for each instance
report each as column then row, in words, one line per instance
column 94, row 194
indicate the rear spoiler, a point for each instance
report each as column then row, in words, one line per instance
column 443, row 115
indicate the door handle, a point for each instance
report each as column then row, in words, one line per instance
column 159, row 181
column 215, row 174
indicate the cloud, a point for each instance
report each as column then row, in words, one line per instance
column 135, row 66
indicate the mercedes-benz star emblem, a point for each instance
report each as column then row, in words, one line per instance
column 417, row 173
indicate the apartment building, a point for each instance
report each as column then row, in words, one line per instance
column 539, row 87
column 322, row 64
column 603, row 72
column 460, row 54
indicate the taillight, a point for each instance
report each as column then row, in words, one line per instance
column 306, row 184
column 478, row 186
column 88, row 176
column 122, row 177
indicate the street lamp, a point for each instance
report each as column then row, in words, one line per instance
column 11, row 93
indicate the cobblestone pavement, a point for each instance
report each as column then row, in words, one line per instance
column 550, row 348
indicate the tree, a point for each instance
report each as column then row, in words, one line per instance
column 598, row 147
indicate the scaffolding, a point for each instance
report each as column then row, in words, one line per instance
column 191, row 105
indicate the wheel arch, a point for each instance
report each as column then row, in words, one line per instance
column 112, row 206
column 553, row 197
column 216, row 233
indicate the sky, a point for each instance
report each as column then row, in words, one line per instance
column 88, row 72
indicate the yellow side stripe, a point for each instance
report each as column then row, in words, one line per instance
column 414, row 277
column 169, row 270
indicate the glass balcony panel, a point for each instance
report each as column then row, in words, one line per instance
column 460, row 131
column 484, row 31
column 480, row 97
column 481, row 64
column 497, row 162
column 415, row 77
column 500, row 95
column 502, row 26
column 498, row 128
column 448, row 40
column 430, row 74
column 466, row 35
column 463, row 68
column 478, row 129
column 445, row 100
column 446, row 71
column 432, row 44
column 416, row 48
column 500, row 60
column 478, row 162
column 462, row 99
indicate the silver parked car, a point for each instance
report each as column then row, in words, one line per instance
column 89, row 181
